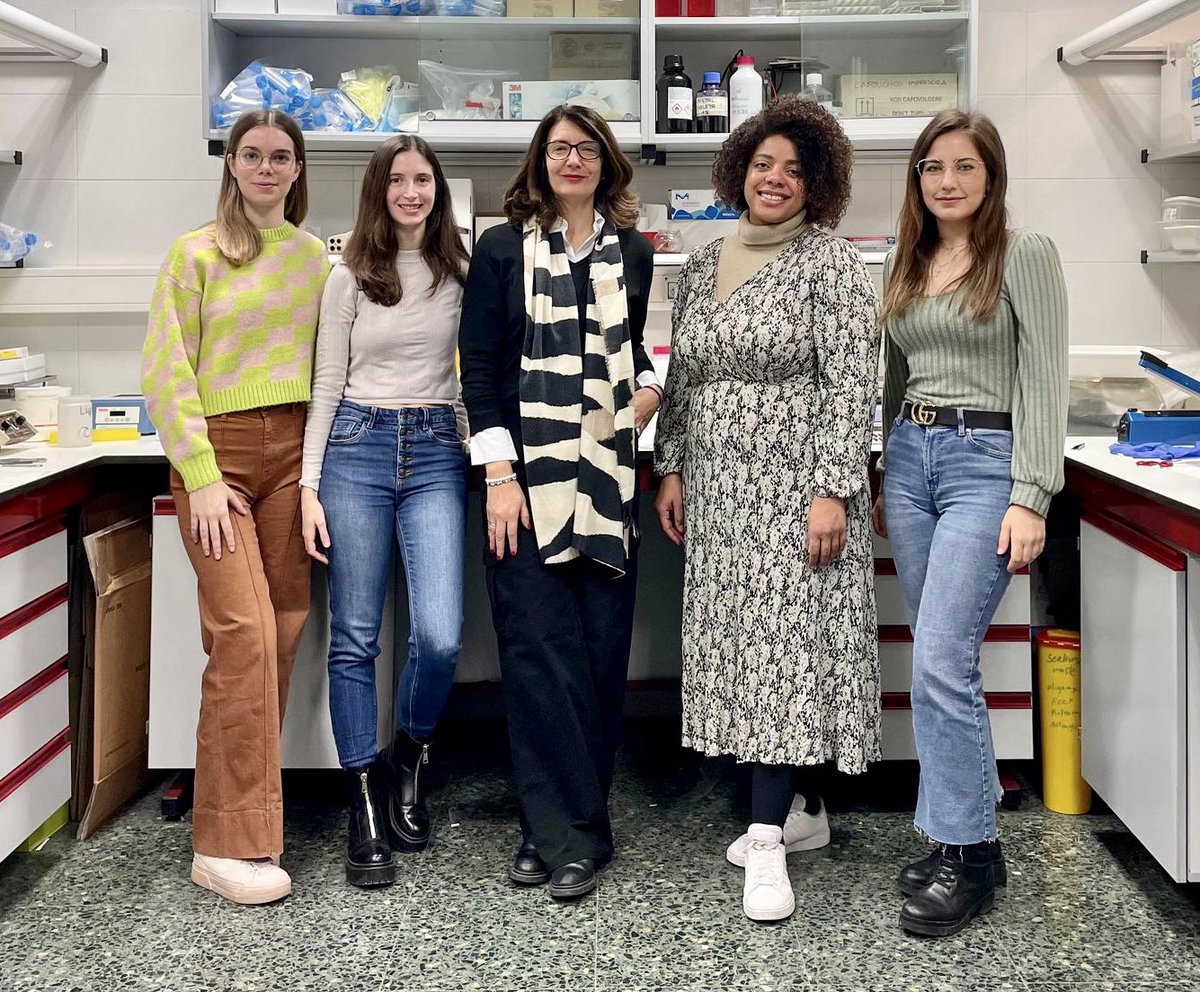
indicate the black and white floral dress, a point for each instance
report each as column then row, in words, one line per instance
column 769, row 402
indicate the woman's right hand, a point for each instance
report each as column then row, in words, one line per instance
column 505, row 506
column 312, row 523
column 877, row 520
column 208, row 508
column 668, row 504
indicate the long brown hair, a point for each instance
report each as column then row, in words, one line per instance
column 529, row 194
column 917, row 237
column 371, row 250
column 238, row 239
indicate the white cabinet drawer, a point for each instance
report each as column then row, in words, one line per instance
column 34, row 720
column 26, row 804
column 889, row 600
column 32, row 646
column 1006, row 666
column 1012, row 734
column 33, row 562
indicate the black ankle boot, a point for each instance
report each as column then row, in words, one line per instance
column 368, row 854
column 963, row 886
column 407, row 818
column 914, row 877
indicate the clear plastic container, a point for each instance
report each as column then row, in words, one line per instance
column 733, row 8
column 1180, row 235
column 366, row 8
column 1181, row 208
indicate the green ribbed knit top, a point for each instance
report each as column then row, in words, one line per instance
column 1016, row 362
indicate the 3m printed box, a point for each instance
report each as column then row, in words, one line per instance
column 612, row 99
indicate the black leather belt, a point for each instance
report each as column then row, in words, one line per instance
column 924, row 415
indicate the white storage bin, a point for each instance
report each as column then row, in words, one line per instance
column 306, row 6
column 1180, row 235
column 245, row 7
column 1181, row 208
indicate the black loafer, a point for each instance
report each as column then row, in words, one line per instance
column 526, row 868
column 572, row 880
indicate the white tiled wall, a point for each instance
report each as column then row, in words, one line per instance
column 116, row 168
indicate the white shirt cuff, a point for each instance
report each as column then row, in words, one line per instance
column 493, row 445
column 648, row 378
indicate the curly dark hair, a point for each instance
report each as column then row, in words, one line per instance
column 826, row 156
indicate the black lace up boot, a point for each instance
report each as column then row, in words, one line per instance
column 963, row 886
column 914, row 877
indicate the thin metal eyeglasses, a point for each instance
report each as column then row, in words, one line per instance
column 964, row 168
column 589, row 151
column 251, row 157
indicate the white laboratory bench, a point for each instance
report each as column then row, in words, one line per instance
column 1139, row 548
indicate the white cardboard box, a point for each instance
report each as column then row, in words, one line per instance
column 531, row 100
column 909, row 94
column 307, row 6
column 591, row 56
column 245, row 6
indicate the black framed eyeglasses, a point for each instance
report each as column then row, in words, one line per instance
column 589, row 151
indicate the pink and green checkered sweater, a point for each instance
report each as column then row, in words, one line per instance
column 225, row 338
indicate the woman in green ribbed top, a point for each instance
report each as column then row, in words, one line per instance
column 974, row 414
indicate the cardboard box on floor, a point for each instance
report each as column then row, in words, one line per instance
column 116, row 672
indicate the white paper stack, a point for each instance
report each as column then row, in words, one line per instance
column 22, row 367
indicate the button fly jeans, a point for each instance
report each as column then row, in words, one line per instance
column 388, row 472
column 945, row 493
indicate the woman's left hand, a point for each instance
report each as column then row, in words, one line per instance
column 1022, row 536
column 645, row 406
column 826, row 530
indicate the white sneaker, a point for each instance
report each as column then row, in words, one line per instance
column 767, row 893
column 801, row 832
column 247, row 882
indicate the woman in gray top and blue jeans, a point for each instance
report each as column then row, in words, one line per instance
column 974, row 412
column 384, row 448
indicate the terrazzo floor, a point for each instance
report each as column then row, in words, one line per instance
column 1086, row 907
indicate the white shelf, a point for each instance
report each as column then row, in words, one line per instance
column 79, row 289
column 865, row 133
column 1175, row 153
column 815, row 28
column 350, row 26
column 452, row 136
column 1151, row 257
column 10, row 157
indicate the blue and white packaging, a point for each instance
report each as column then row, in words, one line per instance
column 697, row 204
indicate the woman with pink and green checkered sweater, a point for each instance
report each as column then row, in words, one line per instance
column 226, row 370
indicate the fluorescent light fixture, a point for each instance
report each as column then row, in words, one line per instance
column 49, row 42
column 1108, row 39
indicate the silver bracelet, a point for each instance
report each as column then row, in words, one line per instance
column 502, row 480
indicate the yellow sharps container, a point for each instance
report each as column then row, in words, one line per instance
column 1063, row 788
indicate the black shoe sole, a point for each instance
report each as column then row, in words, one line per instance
column 923, row 928
column 528, row 877
column 912, row 888
column 370, row 876
column 564, row 892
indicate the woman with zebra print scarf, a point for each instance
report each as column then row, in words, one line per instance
column 557, row 385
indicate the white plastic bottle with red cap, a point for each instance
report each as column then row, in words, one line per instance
column 745, row 91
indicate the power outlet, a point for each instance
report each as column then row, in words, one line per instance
column 336, row 243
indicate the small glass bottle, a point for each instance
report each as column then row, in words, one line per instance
column 674, row 91
column 712, row 106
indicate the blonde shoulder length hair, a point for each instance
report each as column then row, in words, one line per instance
column 237, row 238
column 917, row 236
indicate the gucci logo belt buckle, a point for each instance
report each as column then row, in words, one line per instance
column 922, row 413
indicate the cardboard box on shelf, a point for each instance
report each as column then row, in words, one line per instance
column 111, row 733
column 606, row 8
column 541, row 8
column 531, row 100
column 591, row 56
column 909, row 94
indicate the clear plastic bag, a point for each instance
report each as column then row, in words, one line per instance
column 401, row 103
column 334, row 111
column 367, row 87
column 463, row 94
column 394, row 8
column 263, row 87
column 15, row 244
column 471, row 8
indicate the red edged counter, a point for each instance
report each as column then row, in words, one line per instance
column 1139, row 550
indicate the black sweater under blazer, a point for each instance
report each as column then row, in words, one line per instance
column 491, row 333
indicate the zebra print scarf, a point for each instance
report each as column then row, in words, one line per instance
column 577, row 422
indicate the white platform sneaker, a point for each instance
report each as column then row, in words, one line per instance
column 247, row 882
column 801, row 832
column 767, row 893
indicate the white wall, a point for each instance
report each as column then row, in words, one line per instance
column 116, row 168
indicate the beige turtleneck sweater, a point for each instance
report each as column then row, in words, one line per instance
column 754, row 245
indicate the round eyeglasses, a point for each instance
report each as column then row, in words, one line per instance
column 964, row 168
column 251, row 157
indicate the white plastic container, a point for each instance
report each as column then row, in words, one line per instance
column 74, row 422
column 1181, row 208
column 745, row 92
column 1180, row 235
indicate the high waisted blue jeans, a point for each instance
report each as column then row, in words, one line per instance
column 945, row 493
column 388, row 472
